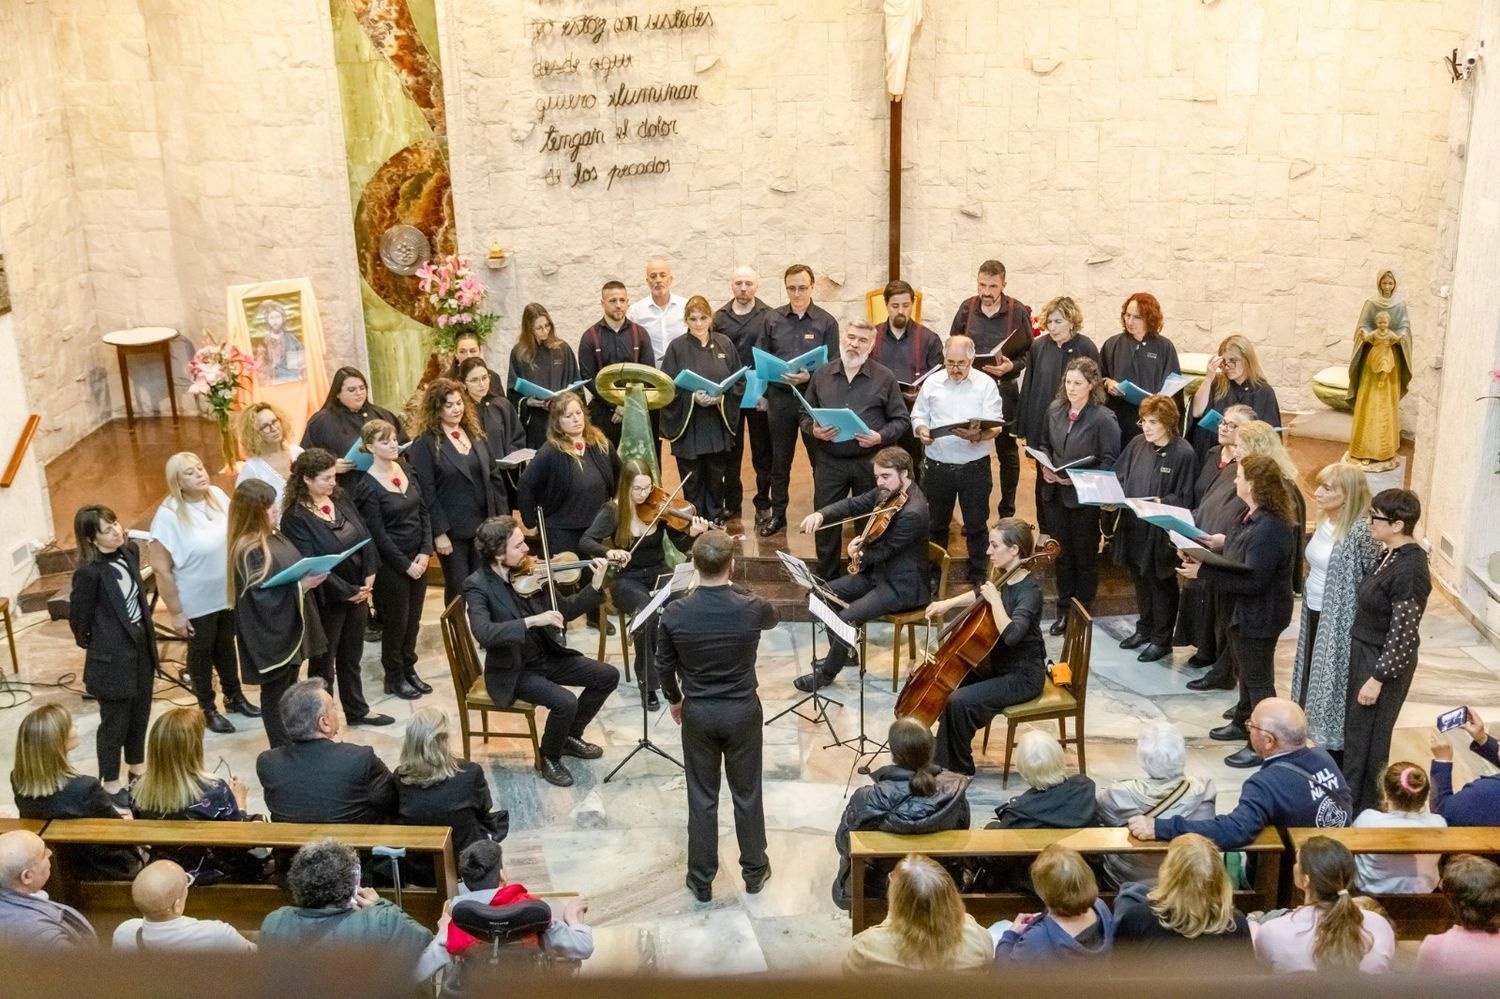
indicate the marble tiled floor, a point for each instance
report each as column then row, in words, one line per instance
column 624, row 843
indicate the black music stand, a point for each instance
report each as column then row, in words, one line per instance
column 799, row 573
column 646, row 618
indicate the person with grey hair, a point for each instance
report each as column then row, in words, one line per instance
column 1165, row 790
column 1297, row 786
column 330, row 908
column 1054, row 799
column 28, row 918
column 741, row 319
column 316, row 778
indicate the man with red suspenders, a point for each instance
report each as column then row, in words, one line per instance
column 993, row 319
column 614, row 339
column 909, row 349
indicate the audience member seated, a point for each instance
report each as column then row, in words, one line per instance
column 331, row 909
column 1472, row 946
column 28, row 918
column 481, row 868
column 925, row 929
column 160, row 893
column 1161, row 752
column 1192, row 903
column 1054, row 799
column 1329, row 932
column 316, row 778
column 435, row 788
column 47, row 787
column 1403, row 795
column 1296, row 786
column 1076, row 926
column 911, row 796
column 1477, row 803
column 176, row 785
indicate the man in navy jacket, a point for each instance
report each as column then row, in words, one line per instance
column 1477, row 803
column 1297, row 786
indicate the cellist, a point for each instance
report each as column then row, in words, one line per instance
column 1016, row 668
column 894, row 573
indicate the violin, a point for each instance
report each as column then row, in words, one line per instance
column 530, row 576
column 886, row 508
column 661, row 505
column 964, row 646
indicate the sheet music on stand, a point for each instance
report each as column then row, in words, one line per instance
column 803, row 577
column 831, row 621
column 680, row 579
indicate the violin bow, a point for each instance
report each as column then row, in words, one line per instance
column 859, row 516
column 541, row 520
column 659, row 513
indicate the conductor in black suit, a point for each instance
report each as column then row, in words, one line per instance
column 894, row 572
column 525, row 657
column 316, row 778
column 710, row 638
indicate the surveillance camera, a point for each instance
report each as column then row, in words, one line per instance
column 1471, row 60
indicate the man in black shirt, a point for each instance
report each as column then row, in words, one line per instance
column 992, row 319
column 317, row 778
column 711, row 637
column 614, row 339
column 792, row 330
column 842, row 468
column 741, row 319
column 909, row 349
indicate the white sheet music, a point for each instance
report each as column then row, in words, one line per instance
column 1097, row 488
column 679, row 581
column 1047, row 462
column 824, row 613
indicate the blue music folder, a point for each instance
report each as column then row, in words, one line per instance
column 314, row 565
column 362, row 460
column 755, row 388
column 691, row 381
column 771, row 368
column 847, row 421
column 532, row 390
column 1211, row 420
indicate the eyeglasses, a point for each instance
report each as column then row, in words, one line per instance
column 264, row 427
column 1388, row 520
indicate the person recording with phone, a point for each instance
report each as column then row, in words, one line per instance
column 1477, row 803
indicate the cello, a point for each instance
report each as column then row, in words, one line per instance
column 963, row 646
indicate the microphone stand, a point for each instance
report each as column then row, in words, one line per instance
column 644, row 742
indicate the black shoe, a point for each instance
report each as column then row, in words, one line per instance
column 240, row 706
column 373, row 718
column 1197, row 663
column 809, row 682
column 1154, row 653
column 753, row 885
column 1244, row 759
column 703, row 893
column 761, row 516
column 373, row 631
column 121, row 799
column 217, row 722
column 1228, row 714
column 1210, row 682
column 403, row 690
column 1058, row 627
column 421, row 684
column 574, row 746
column 553, row 772
column 653, row 703
column 772, row 525
column 1134, row 641
column 1233, row 732
column 820, row 664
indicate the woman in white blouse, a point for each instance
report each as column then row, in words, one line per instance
column 189, row 553
column 268, row 453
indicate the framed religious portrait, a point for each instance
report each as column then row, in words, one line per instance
column 277, row 323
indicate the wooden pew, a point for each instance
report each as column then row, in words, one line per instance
column 1415, row 916
column 107, row 903
column 865, row 848
column 30, row 825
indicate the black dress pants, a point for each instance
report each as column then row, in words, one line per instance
column 1078, row 562
column 459, row 566
column 866, row 603
column 210, row 649
column 833, row 480
column 1255, row 661
column 122, row 726
column 705, row 488
column 344, row 626
column 782, row 419
column 1156, row 603
column 1367, row 730
column 973, row 704
column 754, row 425
column 630, row 594
column 969, row 485
column 271, row 688
column 545, row 685
column 399, row 599
column 723, row 735
column 1010, row 470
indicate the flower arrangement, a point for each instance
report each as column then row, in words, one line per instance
column 217, row 372
column 455, row 296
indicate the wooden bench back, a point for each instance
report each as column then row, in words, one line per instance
column 108, row 903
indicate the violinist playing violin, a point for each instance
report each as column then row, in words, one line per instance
column 525, row 657
column 892, row 560
column 1016, row 669
column 633, row 546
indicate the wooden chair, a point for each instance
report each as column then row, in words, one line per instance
column 607, row 609
column 1054, row 702
column 875, row 305
column 468, row 685
column 911, row 620
column 10, row 638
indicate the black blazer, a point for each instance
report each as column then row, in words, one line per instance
column 315, row 536
column 459, row 497
column 325, row 781
column 496, row 614
column 462, row 803
column 1096, row 433
column 119, row 656
column 897, row 560
column 1263, row 596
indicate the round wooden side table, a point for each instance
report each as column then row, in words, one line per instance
column 143, row 340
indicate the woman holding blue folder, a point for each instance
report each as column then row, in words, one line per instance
column 1138, row 354
column 701, row 424
column 1234, row 378
column 542, row 359
column 335, row 427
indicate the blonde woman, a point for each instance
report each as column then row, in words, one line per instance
column 1192, row 901
column 435, row 788
column 1339, row 555
column 268, row 453
column 1234, row 378
column 925, row 928
column 189, row 552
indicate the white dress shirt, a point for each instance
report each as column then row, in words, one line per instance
column 182, row 933
column 942, row 402
column 664, row 323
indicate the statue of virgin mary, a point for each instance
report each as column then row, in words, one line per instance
column 1379, row 373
